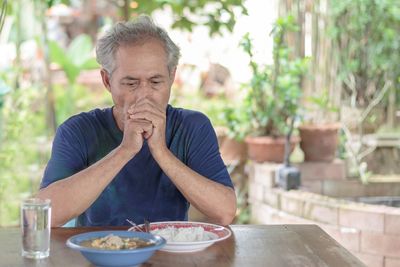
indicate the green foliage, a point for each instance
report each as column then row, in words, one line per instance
column 323, row 102
column 25, row 146
column 366, row 34
column 4, row 89
column 273, row 92
column 51, row 3
column 244, row 213
column 77, row 57
column 82, row 98
column 322, row 109
column 216, row 15
column 23, row 150
column 212, row 107
column 235, row 118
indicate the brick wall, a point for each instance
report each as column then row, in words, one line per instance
column 370, row 232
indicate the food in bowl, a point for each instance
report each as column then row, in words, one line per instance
column 114, row 242
column 116, row 257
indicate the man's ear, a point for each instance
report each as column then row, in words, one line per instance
column 106, row 79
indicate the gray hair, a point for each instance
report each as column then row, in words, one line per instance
column 131, row 32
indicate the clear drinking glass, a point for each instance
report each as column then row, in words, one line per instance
column 35, row 228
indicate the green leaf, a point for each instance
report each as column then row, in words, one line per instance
column 79, row 51
column 4, row 88
column 57, row 53
column 91, row 63
column 71, row 71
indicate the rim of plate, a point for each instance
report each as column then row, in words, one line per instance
column 218, row 228
column 71, row 242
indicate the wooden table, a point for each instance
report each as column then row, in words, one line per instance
column 249, row 246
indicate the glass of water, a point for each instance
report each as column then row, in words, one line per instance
column 35, row 228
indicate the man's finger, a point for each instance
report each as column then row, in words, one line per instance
column 154, row 118
column 146, row 102
column 143, row 127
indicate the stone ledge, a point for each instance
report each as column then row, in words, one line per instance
column 371, row 232
column 275, row 216
column 361, row 218
column 256, row 192
column 321, row 212
column 348, row 237
column 379, row 244
column 392, row 262
column 263, row 173
column 272, row 197
column 335, row 170
column 312, row 186
column 292, row 205
column 392, row 222
column 364, row 228
column 370, row 260
column 336, row 188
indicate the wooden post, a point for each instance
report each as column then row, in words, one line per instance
column 391, row 113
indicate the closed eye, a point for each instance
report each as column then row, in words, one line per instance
column 132, row 84
column 156, row 83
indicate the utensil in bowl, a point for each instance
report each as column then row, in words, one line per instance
column 146, row 225
column 134, row 227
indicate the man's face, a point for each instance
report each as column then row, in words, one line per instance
column 140, row 72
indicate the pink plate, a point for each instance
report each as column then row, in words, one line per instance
column 213, row 233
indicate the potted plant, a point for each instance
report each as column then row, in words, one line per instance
column 319, row 132
column 271, row 98
column 233, row 148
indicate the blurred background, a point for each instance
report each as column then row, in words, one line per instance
column 256, row 68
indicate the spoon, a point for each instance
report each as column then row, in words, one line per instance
column 134, row 226
column 146, row 225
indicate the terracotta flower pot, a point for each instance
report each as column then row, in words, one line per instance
column 319, row 141
column 267, row 148
column 232, row 150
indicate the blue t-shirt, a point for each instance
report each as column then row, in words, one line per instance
column 141, row 189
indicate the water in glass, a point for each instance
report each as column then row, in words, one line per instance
column 35, row 228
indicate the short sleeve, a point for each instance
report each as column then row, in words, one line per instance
column 203, row 152
column 67, row 155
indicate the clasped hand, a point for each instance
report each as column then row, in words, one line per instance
column 144, row 120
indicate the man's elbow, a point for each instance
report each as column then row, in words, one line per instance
column 227, row 216
column 226, row 220
column 58, row 219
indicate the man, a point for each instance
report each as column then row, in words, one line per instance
column 142, row 158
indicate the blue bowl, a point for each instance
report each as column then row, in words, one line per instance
column 120, row 258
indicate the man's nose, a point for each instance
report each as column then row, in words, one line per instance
column 143, row 91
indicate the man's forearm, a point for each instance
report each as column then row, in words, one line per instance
column 215, row 200
column 73, row 195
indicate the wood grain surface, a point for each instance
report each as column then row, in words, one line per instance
column 249, row 245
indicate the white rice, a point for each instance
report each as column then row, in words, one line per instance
column 184, row 234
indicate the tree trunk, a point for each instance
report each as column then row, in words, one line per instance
column 391, row 112
column 51, row 121
column 125, row 10
column 18, row 8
